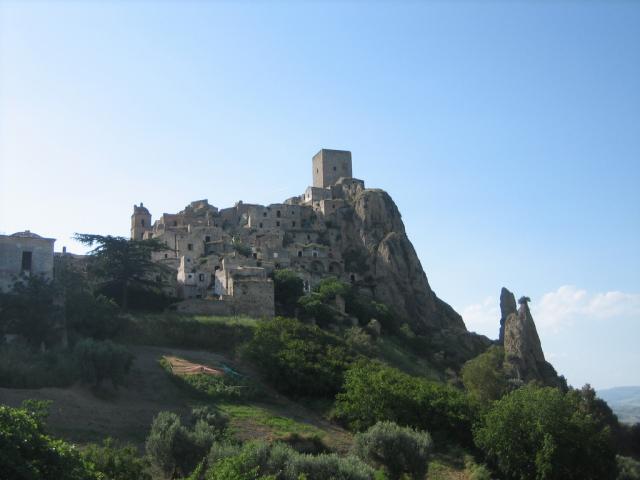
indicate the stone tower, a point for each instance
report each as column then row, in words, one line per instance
column 140, row 222
column 329, row 166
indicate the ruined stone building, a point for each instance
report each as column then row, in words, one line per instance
column 221, row 259
column 24, row 254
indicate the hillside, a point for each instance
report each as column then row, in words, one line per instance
column 624, row 401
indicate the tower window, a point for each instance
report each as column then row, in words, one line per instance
column 175, row 223
column 334, row 169
column 166, row 255
column 142, row 222
column 264, row 214
column 278, row 214
column 201, row 277
column 260, row 224
column 299, row 253
column 293, row 224
column 277, row 224
column 26, row 261
column 190, row 246
column 207, row 238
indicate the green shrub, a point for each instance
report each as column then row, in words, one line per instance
column 374, row 392
column 262, row 460
column 175, row 448
column 103, row 360
column 483, row 376
column 23, row 367
column 116, row 463
column 398, row 449
column 628, row 468
column 541, row 433
column 297, row 358
column 28, row 453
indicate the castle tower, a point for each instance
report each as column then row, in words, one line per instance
column 329, row 166
column 140, row 222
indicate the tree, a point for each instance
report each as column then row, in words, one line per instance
column 27, row 452
column 102, row 360
column 538, row 433
column 398, row 449
column 374, row 392
column 30, row 309
column 121, row 264
column 483, row 376
column 298, row 358
column 288, row 288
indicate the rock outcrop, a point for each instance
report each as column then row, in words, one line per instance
column 507, row 307
column 524, row 358
column 374, row 234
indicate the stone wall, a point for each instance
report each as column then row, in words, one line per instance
column 23, row 254
column 329, row 166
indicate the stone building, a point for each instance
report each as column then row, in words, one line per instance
column 226, row 256
column 24, row 254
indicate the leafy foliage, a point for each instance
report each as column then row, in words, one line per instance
column 297, row 358
column 628, row 468
column 541, row 433
column 103, row 360
column 27, row 452
column 93, row 316
column 260, row 460
column 288, row 288
column 122, row 264
column 175, row 448
column 116, row 463
column 398, row 449
column 374, row 392
column 483, row 376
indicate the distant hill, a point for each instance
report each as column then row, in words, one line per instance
column 624, row 401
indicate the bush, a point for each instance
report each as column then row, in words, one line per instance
column 628, row 468
column 288, row 288
column 116, row 463
column 297, row 358
column 398, row 449
column 541, row 433
column 175, row 448
column 261, row 460
column 103, row 360
column 27, row 453
column 374, row 392
column 22, row 367
column 483, row 376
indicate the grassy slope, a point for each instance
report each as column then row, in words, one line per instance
column 81, row 415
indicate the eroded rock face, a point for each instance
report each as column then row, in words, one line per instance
column 390, row 269
column 524, row 358
column 507, row 307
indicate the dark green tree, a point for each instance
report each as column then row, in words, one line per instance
column 483, row 376
column 288, row 288
column 32, row 309
column 120, row 264
column 28, row 453
column 538, row 433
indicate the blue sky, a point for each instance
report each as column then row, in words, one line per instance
column 507, row 133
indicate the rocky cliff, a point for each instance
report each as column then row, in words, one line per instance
column 524, row 358
column 373, row 234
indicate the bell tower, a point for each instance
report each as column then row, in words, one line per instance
column 140, row 222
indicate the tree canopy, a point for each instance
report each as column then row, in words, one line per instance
column 121, row 264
